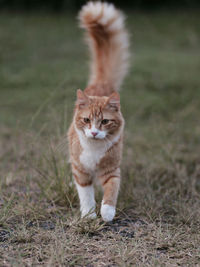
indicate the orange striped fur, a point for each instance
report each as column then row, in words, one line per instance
column 96, row 132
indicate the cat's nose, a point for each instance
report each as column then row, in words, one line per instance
column 94, row 133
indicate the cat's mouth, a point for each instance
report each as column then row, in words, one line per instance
column 94, row 135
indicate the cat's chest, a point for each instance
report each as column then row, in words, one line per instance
column 91, row 155
column 93, row 151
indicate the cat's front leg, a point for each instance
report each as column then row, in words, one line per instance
column 86, row 194
column 111, row 184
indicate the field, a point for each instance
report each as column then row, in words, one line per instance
column 43, row 62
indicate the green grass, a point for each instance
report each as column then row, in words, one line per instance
column 43, row 62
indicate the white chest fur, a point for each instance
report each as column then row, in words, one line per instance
column 92, row 154
column 93, row 151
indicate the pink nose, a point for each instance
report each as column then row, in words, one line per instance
column 94, row 133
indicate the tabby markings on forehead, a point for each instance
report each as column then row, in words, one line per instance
column 93, row 151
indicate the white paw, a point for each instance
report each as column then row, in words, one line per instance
column 107, row 212
column 88, row 214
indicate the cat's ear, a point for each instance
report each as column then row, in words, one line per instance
column 113, row 102
column 82, row 99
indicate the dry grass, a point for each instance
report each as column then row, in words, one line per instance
column 157, row 222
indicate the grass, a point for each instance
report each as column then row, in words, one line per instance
column 43, row 62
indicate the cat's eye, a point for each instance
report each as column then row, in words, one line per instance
column 105, row 121
column 86, row 120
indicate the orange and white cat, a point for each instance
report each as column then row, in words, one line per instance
column 96, row 133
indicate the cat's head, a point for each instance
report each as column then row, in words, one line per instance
column 98, row 118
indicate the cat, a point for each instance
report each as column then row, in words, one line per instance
column 96, row 133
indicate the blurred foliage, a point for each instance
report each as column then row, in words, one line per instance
column 65, row 5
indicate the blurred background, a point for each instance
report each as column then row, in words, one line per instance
column 63, row 5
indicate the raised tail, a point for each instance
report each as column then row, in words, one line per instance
column 108, row 42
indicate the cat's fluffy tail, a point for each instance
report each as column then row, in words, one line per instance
column 108, row 42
